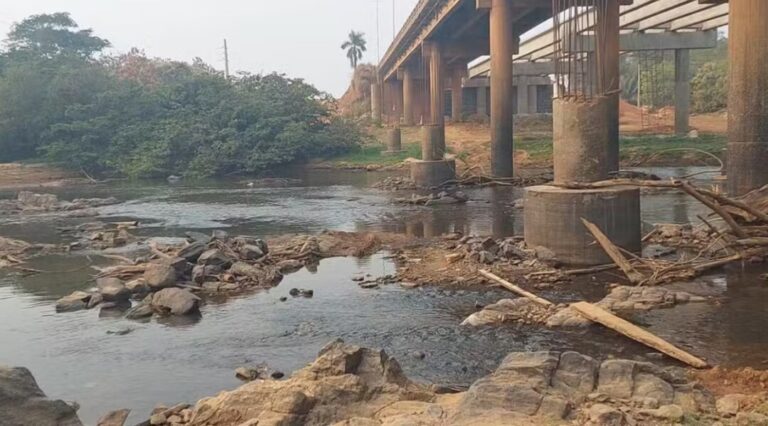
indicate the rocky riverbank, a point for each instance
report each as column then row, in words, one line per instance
column 349, row 385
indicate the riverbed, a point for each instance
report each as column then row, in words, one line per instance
column 74, row 357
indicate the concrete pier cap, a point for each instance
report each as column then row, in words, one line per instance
column 429, row 173
column 553, row 220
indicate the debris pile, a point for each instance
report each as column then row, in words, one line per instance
column 30, row 202
column 440, row 198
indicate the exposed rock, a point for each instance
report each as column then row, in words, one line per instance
column 159, row 276
column 617, row 378
column 115, row 418
column 289, row 265
column 176, row 301
column 258, row 275
column 142, row 310
column 193, row 251
column 520, row 310
column 137, row 286
column 95, row 300
column 202, row 274
column 32, row 201
column 113, row 289
column 731, row 404
column 672, row 413
column 197, row 237
column 214, row 257
column 605, row 415
column 22, row 403
column 74, row 302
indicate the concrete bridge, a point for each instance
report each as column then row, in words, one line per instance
column 441, row 37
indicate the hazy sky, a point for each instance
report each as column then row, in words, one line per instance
column 301, row 38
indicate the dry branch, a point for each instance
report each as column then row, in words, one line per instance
column 515, row 289
column 614, row 253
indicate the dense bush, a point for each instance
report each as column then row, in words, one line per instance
column 710, row 87
column 147, row 117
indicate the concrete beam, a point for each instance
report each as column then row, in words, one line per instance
column 637, row 42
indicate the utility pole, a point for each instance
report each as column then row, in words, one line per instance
column 393, row 20
column 226, row 59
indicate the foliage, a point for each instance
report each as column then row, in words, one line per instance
column 355, row 46
column 53, row 35
column 145, row 117
column 710, row 87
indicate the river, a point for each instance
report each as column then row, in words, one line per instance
column 73, row 356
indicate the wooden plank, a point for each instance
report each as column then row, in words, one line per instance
column 614, row 253
column 515, row 289
column 601, row 316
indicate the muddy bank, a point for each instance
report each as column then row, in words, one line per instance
column 15, row 176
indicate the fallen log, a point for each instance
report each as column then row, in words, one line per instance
column 717, row 208
column 515, row 289
column 601, row 316
column 614, row 253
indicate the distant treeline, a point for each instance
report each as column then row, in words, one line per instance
column 655, row 72
column 63, row 100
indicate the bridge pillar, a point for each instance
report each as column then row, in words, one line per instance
column 747, row 94
column 482, row 101
column 457, row 97
column 409, row 97
column 434, row 169
column 503, row 46
column 586, row 147
column 682, row 91
column 396, row 96
column 376, row 103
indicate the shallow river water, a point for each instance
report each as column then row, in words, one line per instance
column 74, row 358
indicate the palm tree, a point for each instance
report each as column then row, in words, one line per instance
column 355, row 47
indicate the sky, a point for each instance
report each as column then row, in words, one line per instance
column 301, row 38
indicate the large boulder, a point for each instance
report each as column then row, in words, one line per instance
column 74, row 302
column 175, row 301
column 113, row 289
column 160, row 275
column 23, row 403
column 193, row 251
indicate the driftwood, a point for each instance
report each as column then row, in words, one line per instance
column 614, row 253
column 601, row 316
column 515, row 289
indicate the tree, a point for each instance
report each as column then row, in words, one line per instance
column 51, row 35
column 355, row 47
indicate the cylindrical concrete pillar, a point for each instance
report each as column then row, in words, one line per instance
column 436, row 84
column 394, row 140
column 502, row 40
column 682, row 91
column 409, row 97
column 747, row 96
column 376, row 103
column 608, row 75
column 482, row 101
column 580, row 136
column 553, row 220
column 432, row 142
column 457, row 96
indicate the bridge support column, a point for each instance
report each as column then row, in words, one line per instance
column 409, row 97
column 586, row 150
column 682, row 91
column 457, row 97
column 396, row 95
column 376, row 103
column 503, row 46
column 434, row 169
column 482, row 101
column 747, row 94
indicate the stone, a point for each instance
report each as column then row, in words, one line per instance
column 22, row 402
column 179, row 264
column 76, row 301
column 193, row 251
column 142, row 310
column 159, row 276
column 289, row 265
column 650, row 386
column 576, row 375
column 730, row 404
column 158, row 419
column 616, row 378
column 554, row 407
column 30, row 200
column 291, row 401
column 751, row 419
column 214, row 257
column 247, row 374
column 219, row 234
column 605, row 415
column 250, row 252
column 113, row 289
column 197, row 237
column 202, row 274
column 114, row 418
column 672, row 413
column 95, row 300
column 176, row 301
column 137, row 286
